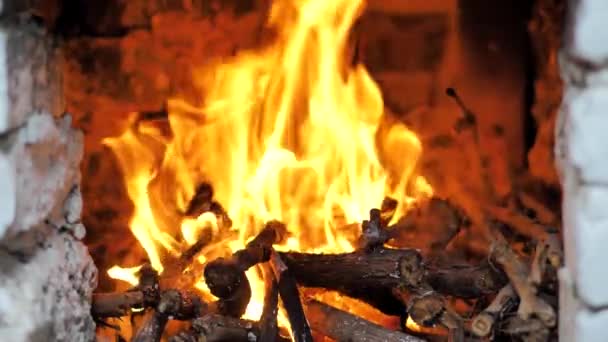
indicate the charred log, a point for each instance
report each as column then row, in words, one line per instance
column 226, row 278
column 152, row 329
column 217, row 328
column 343, row 326
column 268, row 322
column 372, row 276
column 116, row 304
column 290, row 295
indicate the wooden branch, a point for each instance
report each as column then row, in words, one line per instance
column 268, row 322
column 182, row 305
column 203, row 202
column 226, row 277
column 519, row 222
column 372, row 276
column 290, row 295
column 217, row 328
column 152, row 329
column 518, row 273
column 115, row 304
column 533, row 329
column 343, row 326
column 374, row 233
column 485, row 321
column 118, row 304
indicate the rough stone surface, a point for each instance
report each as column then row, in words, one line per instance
column 43, row 157
column 27, row 85
column 48, row 297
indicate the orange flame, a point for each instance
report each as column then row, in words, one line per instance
column 291, row 132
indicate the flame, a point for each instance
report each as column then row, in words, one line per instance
column 291, row 132
column 128, row 275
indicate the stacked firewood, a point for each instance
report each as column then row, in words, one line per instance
column 507, row 288
column 510, row 292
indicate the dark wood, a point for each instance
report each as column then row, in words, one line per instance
column 268, row 322
column 149, row 284
column 218, row 328
column 115, row 304
column 288, row 290
column 182, row 305
column 372, row 276
column 226, row 278
column 152, row 328
column 343, row 326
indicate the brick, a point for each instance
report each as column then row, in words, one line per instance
column 587, row 218
column 590, row 326
column 589, row 32
column 585, row 133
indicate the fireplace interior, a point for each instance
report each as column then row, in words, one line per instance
column 311, row 170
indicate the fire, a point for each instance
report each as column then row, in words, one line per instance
column 291, row 132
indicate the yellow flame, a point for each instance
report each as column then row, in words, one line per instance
column 292, row 132
column 413, row 326
column 128, row 275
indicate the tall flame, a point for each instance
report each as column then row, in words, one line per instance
column 291, row 132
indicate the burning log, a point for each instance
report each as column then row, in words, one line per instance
column 517, row 271
column 529, row 330
column 484, row 322
column 116, row 304
column 152, row 328
column 202, row 202
column 372, row 276
column 226, row 277
column 343, row 326
column 290, row 295
column 217, row 328
column 182, row 305
column 268, row 322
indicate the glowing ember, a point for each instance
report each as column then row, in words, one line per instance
column 292, row 132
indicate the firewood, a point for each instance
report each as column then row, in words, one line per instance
column 268, row 321
column 374, row 233
column 484, row 322
column 152, row 328
column 218, row 328
column 118, row 304
column 528, row 330
column 518, row 273
column 226, row 277
column 343, row 326
column 519, row 222
column 371, row 277
column 288, row 290
column 149, row 284
column 203, row 202
column 182, row 305
column 115, row 304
